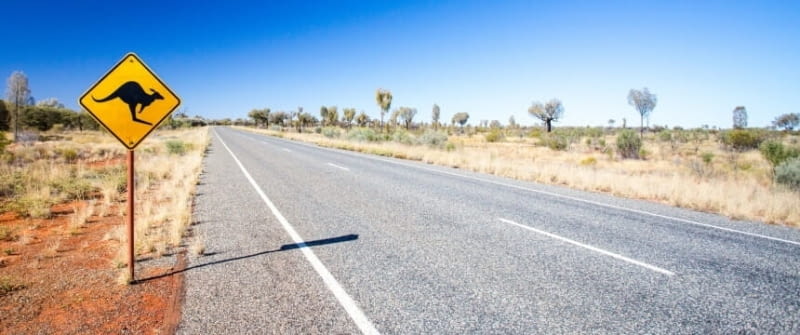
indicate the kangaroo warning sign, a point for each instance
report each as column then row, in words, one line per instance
column 130, row 101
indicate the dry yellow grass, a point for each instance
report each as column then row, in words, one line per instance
column 37, row 175
column 166, row 185
column 736, row 186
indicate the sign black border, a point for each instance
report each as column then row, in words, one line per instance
column 130, row 54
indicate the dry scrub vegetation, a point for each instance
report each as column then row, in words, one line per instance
column 690, row 169
column 89, row 168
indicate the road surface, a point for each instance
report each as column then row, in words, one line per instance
column 306, row 240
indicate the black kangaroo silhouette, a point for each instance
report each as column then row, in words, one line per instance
column 133, row 94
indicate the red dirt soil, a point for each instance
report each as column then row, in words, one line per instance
column 59, row 279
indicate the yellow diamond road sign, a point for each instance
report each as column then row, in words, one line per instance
column 130, row 101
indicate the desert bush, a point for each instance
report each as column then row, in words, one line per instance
column 494, row 135
column 433, row 138
column 629, row 145
column 72, row 187
column 742, row 139
column 589, row 161
column 4, row 141
column 776, row 153
column 70, row 155
column 8, row 285
column 555, row 142
column 707, row 157
column 331, row 132
column 362, row 135
column 788, row 174
column 176, row 147
column 402, row 136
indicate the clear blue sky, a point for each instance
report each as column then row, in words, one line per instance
column 488, row 58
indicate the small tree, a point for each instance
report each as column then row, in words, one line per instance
column 362, row 119
column 644, row 102
column 349, row 115
column 512, row 122
column 305, row 119
column 278, row 118
column 739, row 117
column 461, row 118
column 323, row 114
column 19, row 95
column 787, row 121
column 435, row 116
column 332, row 116
column 384, row 100
column 407, row 114
column 553, row 110
column 260, row 116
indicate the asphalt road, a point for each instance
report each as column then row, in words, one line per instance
column 400, row 247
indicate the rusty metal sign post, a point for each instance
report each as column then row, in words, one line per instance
column 130, row 101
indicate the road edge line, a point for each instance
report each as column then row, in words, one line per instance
column 347, row 302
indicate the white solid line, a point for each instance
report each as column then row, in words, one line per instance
column 339, row 167
column 287, row 150
column 345, row 300
column 554, row 194
column 607, row 253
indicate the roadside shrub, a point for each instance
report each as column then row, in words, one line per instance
column 317, row 130
column 70, row 155
column 788, row 174
column 4, row 141
column 629, row 145
column 742, row 139
column 776, row 153
column 176, row 147
column 402, row 136
column 707, row 157
column 432, row 138
column 330, row 132
column 589, row 161
column 494, row 135
column 362, row 135
column 555, row 142
column 450, row 146
column 72, row 188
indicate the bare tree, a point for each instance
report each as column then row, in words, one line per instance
column 739, row 117
column 384, row 100
column 435, row 116
column 19, row 95
column 553, row 110
column 644, row 102
column 512, row 122
column 407, row 114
